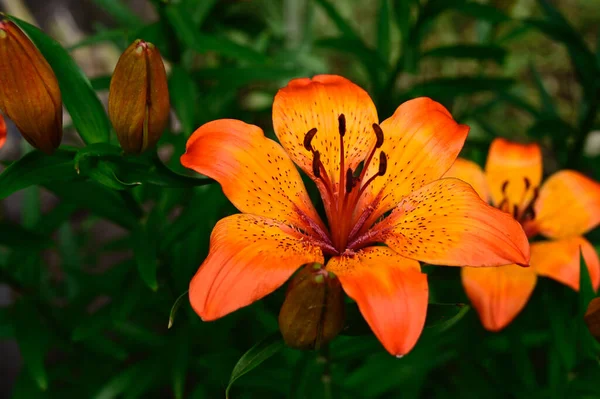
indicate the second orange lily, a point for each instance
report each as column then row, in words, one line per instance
column 566, row 206
column 380, row 184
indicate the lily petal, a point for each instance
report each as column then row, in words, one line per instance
column 498, row 293
column 513, row 170
column 391, row 293
column 421, row 141
column 560, row 259
column 249, row 257
column 255, row 173
column 569, row 205
column 305, row 104
column 2, row 131
column 446, row 223
column 470, row 172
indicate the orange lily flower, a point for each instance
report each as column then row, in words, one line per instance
column 3, row 132
column 329, row 127
column 566, row 206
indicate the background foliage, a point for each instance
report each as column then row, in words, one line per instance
column 95, row 248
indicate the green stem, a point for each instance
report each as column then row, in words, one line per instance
column 325, row 358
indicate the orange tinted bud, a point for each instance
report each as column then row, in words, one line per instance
column 592, row 318
column 313, row 311
column 138, row 100
column 29, row 92
column 2, row 131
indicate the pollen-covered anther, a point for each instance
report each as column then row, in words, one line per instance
column 316, row 164
column 379, row 134
column 342, row 124
column 308, row 139
column 382, row 164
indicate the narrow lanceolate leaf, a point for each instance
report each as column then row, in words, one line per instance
column 183, row 97
column 120, row 12
column 383, row 29
column 32, row 339
column 178, row 302
column 441, row 317
column 586, row 289
column 548, row 107
column 99, row 200
column 37, row 168
column 254, row 357
column 483, row 12
column 186, row 31
column 469, row 51
column 588, row 345
column 145, row 249
column 343, row 26
column 79, row 98
column 454, row 87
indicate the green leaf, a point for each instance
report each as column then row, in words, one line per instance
column 383, row 29
column 144, row 249
column 178, row 302
column 556, row 128
column 100, row 83
column 100, row 37
column 200, row 10
column 460, row 86
column 371, row 59
column 105, row 173
column 32, row 339
column 119, row 383
column 37, row 168
column 548, row 107
column 86, row 110
column 441, row 317
column 184, row 94
column 583, row 59
column 236, row 77
column 106, row 164
column 255, row 356
column 402, row 11
column 16, row 236
column 105, row 203
column 187, row 32
column 179, row 352
column 586, row 288
column 483, row 12
column 469, row 51
column 120, row 12
column 344, row 28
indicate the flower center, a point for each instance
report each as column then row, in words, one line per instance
column 523, row 210
column 341, row 199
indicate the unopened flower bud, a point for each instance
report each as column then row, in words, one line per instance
column 138, row 99
column 29, row 92
column 592, row 318
column 313, row 311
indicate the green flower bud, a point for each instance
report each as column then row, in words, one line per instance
column 592, row 318
column 313, row 311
